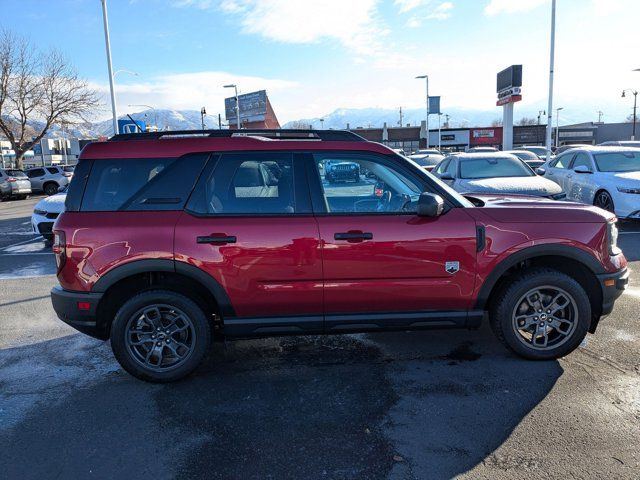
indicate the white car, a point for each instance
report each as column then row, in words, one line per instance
column 45, row 213
column 607, row 177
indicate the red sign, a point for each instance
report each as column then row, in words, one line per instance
column 508, row 99
column 485, row 136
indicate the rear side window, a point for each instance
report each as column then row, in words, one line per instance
column 36, row 172
column 141, row 184
column 52, row 170
column 76, row 187
column 247, row 184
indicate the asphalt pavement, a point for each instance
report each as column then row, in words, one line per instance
column 406, row 405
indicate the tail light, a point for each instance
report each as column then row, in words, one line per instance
column 67, row 174
column 59, row 248
column 11, row 179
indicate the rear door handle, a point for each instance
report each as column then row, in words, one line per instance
column 218, row 239
column 351, row 236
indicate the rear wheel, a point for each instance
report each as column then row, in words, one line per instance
column 543, row 314
column 603, row 200
column 50, row 188
column 160, row 336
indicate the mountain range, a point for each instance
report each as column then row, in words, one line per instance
column 338, row 119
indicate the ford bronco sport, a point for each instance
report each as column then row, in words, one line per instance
column 170, row 239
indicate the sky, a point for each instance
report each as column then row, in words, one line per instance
column 314, row 56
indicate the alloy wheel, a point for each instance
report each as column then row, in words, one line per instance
column 545, row 317
column 604, row 201
column 160, row 337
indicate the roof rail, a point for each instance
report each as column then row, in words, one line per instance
column 278, row 134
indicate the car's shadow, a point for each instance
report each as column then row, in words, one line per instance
column 417, row 405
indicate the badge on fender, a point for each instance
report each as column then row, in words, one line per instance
column 452, row 267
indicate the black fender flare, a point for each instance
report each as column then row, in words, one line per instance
column 556, row 250
column 165, row 265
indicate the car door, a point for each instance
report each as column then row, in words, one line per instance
column 36, row 176
column 580, row 185
column 249, row 227
column 383, row 265
column 558, row 169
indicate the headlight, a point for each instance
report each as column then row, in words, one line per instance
column 629, row 190
column 353, row 167
column 333, row 168
column 612, row 235
column 39, row 212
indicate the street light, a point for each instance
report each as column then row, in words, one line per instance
column 557, row 124
column 635, row 99
column 203, row 112
column 426, row 77
column 234, row 86
column 107, row 42
column 322, row 124
column 155, row 115
column 540, row 113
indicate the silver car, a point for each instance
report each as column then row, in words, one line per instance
column 14, row 183
column 494, row 173
column 49, row 179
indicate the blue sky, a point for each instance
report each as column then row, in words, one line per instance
column 315, row 56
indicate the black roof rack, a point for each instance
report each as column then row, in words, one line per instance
column 279, row 134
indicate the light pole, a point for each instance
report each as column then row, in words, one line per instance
column 322, row 124
column 426, row 77
column 540, row 113
column 439, row 135
column 107, row 42
column 551, row 62
column 557, row 125
column 155, row 114
column 600, row 114
column 235, row 87
column 635, row 99
column 203, row 112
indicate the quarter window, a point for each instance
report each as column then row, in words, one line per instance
column 562, row 161
column 582, row 160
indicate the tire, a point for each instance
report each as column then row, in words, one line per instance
column 513, row 316
column 50, row 188
column 603, row 200
column 191, row 330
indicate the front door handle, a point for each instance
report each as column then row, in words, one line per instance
column 218, row 239
column 353, row 236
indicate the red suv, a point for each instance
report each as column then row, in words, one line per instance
column 172, row 238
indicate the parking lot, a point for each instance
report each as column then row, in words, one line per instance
column 414, row 405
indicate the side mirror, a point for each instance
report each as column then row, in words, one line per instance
column 541, row 170
column 582, row 169
column 446, row 176
column 429, row 205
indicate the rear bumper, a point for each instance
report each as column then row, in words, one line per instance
column 67, row 306
column 613, row 285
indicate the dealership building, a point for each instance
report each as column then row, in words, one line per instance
column 460, row 139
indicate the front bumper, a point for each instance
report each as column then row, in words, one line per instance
column 613, row 285
column 78, row 310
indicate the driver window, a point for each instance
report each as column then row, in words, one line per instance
column 582, row 160
column 353, row 183
column 562, row 161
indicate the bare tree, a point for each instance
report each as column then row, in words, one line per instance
column 497, row 122
column 301, row 124
column 527, row 121
column 37, row 86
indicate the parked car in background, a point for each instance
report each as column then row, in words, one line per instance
column 482, row 149
column 608, row 177
column 45, row 213
column 49, row 179
column 165, row 243
column 621, row 143
column 527, row 157
column 564, row 148
column 494, row 172
column 427, row 159
column 14, row 183
column 342, row 172
column 539, row 151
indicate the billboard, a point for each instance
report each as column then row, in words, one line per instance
column 509, row 77
column 253, row 107
column 485, row 136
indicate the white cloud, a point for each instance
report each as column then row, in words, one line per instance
column 424, row 10
column 408, row 5
column 496, row 7
column 353, row 23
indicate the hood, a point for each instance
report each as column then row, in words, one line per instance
column 52, row 204
column 628, row 178
column 526, row 209
column 536, row 185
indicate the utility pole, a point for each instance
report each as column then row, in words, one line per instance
column 400, row 122
column 635, row 99
column 540, row 113
column 551, row 62
column 107, row 42
column 203, row 112
column 600, row 116
column 446, row 120
column 426, row 77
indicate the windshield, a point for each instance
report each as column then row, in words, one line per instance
column 488, row 167
column 536, row 150
column 525, row 155
column 16, row 173
column 618, row 161
column 427, row 160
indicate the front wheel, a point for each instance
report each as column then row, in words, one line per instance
column 160, row 336
column 603, row 200
column 50, row 189
column 542, row 314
